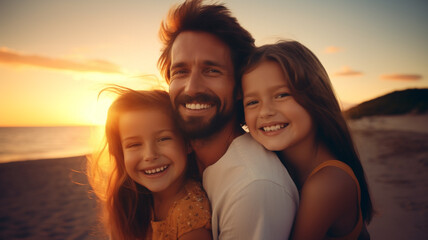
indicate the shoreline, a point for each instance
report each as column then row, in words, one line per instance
column 43, row 159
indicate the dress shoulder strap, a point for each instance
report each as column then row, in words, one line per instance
column 341, row 165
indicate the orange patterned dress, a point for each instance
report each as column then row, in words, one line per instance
column 189, row 213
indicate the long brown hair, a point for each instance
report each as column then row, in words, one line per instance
column 126, row 205
column 310, row 86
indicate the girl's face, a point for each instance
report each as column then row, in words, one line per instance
column 273, row 117
column 154, row 151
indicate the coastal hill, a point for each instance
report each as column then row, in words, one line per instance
column 395, row 103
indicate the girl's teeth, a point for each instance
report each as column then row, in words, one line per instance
column 157, row 170
column 273, row 128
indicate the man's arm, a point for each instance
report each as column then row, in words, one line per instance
column 261, row 210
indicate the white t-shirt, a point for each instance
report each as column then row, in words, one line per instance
column 251, row 193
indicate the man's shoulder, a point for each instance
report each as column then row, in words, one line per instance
column 251, row 154
column 245, row 161
column 249, row 161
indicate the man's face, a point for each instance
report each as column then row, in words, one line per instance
column 202, row 83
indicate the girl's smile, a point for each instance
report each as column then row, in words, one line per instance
column 156, row 170
column 155, row 153
column 273, row 116
column 272, row 128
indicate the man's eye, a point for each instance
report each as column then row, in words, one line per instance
column 178, row 72
column 213, row 71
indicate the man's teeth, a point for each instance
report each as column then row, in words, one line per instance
column 197, row 106
column 156, row 170
column 273, row 127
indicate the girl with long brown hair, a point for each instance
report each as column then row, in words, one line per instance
column 290, row 107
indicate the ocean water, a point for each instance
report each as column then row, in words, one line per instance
column 30, row 143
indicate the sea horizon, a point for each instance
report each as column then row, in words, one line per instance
column 22, row 143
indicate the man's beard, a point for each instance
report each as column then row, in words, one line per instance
column 196, row 127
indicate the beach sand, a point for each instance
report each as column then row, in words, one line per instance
column 48, row 199
column 394, row 154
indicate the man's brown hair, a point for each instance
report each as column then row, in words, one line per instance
column 215, row 19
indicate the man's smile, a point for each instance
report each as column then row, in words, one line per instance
column 198, row 106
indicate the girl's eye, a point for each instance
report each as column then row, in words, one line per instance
column 163, row 139
column 132, row 145
column 282, row 95
column 251, row 103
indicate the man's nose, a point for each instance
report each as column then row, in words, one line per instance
column 194, row 83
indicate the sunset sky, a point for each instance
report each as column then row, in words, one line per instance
column 55, row 56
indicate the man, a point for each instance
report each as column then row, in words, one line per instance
column 252, row 194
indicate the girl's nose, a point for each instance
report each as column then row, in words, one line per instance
column 267, row 110
column 149, row 152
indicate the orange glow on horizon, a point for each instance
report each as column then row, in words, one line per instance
column 62, row 98
column 53, row 70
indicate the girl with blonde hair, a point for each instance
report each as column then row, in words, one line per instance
column 148, row 189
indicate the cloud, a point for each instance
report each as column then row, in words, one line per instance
column 401, row 77
column 8, row 56
column 347, row 72
column 332, row 49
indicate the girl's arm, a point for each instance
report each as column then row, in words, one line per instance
column 328, row 203
column 200, row 233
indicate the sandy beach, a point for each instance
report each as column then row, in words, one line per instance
column 46, row 199
column 394, row 153
column 50, row 199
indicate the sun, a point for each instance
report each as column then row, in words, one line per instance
column 97, row 93
column 101, row 107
